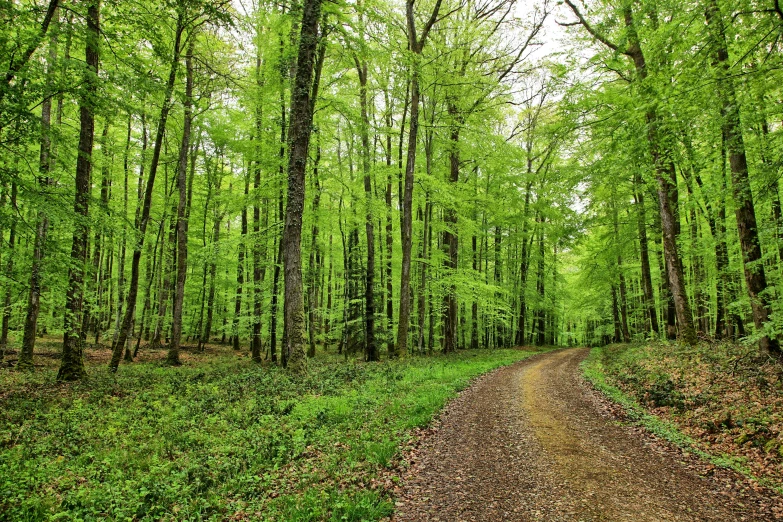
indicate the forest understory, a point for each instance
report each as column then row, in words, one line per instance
column 220, row 437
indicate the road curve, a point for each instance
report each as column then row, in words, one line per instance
column 529, row 442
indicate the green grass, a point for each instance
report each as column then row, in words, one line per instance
column 605, row 365
column 219, row 439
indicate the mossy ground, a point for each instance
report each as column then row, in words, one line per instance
column 219, row 437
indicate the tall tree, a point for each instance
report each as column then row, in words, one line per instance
column 72, row 365
column 662, row 163
column 731, row 128
column 416, row 45
column 182, row 221
column 299, row 142
column 144, row 216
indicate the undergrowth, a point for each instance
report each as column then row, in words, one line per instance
column 219, row 439
column 722, row 402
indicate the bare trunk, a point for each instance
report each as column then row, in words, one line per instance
column 315, row 261
column 258, row 243
column 299, row 142
column 523, row 267
column 389, row 245
column 370, row 347
column 72, row 366
column 646, row 279
column 450, row 239
column 406, row 232
column 25, row 360
column 9, row 272
column 182, row 221
column 540, row 312
column 240, row 270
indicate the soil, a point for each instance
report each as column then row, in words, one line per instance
column 533, row 441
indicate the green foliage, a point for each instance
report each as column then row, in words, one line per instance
column 219, row 438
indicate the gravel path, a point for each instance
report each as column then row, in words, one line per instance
column 532, row 442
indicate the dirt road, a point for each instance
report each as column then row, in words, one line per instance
column 530, row 442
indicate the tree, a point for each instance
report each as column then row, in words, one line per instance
column 299, row 143
column 661, row 158
column 416, row 45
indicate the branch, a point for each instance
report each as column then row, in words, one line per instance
column 429, row 24
column 15, row 66
column 590, row 29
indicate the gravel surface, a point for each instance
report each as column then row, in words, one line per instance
column 532, row 441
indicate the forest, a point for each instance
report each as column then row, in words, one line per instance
column 313, row 184
column 379, row 180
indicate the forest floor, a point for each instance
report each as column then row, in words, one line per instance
column 220, row 437
column 534, row 441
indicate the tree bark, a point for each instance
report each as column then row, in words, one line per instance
column 416, row 45
column 524, row 264
column 644, row 254
column 258, row 244
column 450, row 239
column 182, row 221
column 370, row 347
column 389, row 240
column 72, row 366
column 9, row 267
column 240, row 269
column 25, row 360
column 540, row 312
column 299, row 142
column 662, row 163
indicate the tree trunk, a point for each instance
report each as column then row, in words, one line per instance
column 240, row 269
column 141, row 226
column 406, row 232
column 646, row 279
column 540, row 312
column 258, row 244
column 615, row 316
column 416, row 45
column 427, row 229
column 182, row 210
column 9, row 273
column 299, row 142
column 745, row 213
column 665, row 175
column 370, row 347
column 664, row 169
column 168, row 267
column 524, row 264
column 313, row 270
column 72, row 366
column 450, row 239
column 212, row 274
column 389, row 243
column 620, row 276
column 25, row 360
column 474, row 326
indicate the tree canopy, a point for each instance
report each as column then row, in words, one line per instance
column 380, row 177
